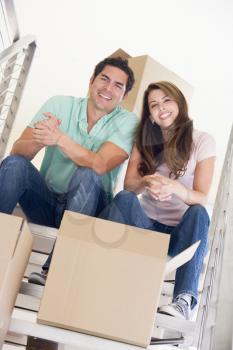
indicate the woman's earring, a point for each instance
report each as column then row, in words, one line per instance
column 152, row 120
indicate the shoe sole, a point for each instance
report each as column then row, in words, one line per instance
column 172, row 313
column 36, row 279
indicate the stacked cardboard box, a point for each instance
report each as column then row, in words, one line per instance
column 147, row 70
column 15, row 249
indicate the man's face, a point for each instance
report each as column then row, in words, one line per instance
column 107, row 90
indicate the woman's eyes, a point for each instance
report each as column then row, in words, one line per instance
column 156, row 105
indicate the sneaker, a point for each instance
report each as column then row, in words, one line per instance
column 179, row 308
column 38, row 278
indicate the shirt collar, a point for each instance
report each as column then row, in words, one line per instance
column 102, row 120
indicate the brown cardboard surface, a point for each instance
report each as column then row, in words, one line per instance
column 181, row 259
column 105, row 279
column 120, row 53
column 15, row 249
column 147, row 70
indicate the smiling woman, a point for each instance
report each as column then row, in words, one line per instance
column 171, row 166
column 165, row 106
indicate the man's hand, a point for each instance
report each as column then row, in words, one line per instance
column 46, row 132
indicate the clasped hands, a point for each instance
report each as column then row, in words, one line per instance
column 159, row 187
column 46, row 132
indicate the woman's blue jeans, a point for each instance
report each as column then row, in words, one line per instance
column 21, row 182
column 126, row 208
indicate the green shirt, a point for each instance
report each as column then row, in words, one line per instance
column 117, row 127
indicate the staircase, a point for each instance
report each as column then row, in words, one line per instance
column 213, row 325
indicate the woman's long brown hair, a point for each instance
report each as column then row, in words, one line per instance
column 175, row 152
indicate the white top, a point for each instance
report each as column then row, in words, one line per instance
column 170, row 212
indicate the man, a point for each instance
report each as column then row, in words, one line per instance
column 85, row 140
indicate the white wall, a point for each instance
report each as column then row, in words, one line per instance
column 191, row 37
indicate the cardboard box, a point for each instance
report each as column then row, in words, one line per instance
column 105, row 279
column 15, row 249
column 147, row 70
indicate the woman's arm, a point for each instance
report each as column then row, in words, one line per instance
column 134, row 182
column 202, row 181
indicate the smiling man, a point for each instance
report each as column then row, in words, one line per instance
column 85, row 140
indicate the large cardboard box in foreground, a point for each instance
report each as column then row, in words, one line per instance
column 105, row 279
column 15, row 249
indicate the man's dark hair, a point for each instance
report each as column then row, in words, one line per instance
column 119, row 63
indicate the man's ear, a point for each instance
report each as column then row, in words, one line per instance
column 91, row 80
column 125, row 95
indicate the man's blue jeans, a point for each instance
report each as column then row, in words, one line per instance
column 194, row 225
column 21, row 182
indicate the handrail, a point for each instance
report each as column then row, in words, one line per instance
column 15, row 48
column 12, row 20
column 15, row 62
column 215, row 319
column 223, row 297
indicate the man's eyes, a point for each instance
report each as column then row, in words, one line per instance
column 119, row 86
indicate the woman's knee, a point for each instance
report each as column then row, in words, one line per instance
column 125, row 197
column 126, row 201
column 199, row 213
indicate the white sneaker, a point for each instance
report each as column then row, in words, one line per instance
column 179, row 309
column 38, row 278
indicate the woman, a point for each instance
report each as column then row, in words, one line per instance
column 171, row 168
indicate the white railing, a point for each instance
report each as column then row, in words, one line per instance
column 15, row 62
column 215, row 318
column 9, row 31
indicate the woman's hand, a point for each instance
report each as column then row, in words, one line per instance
column 159, row 187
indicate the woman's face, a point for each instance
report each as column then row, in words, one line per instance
column 163, row 109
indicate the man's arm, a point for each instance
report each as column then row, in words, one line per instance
column 108, row 157
column 26, row 146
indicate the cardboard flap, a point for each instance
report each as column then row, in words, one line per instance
column 120, row 53
column 9, row 233
column 111, row 235
column 15, row 249
column 181, row 258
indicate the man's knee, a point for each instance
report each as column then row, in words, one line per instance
column 86, row 175
column 15, row 164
